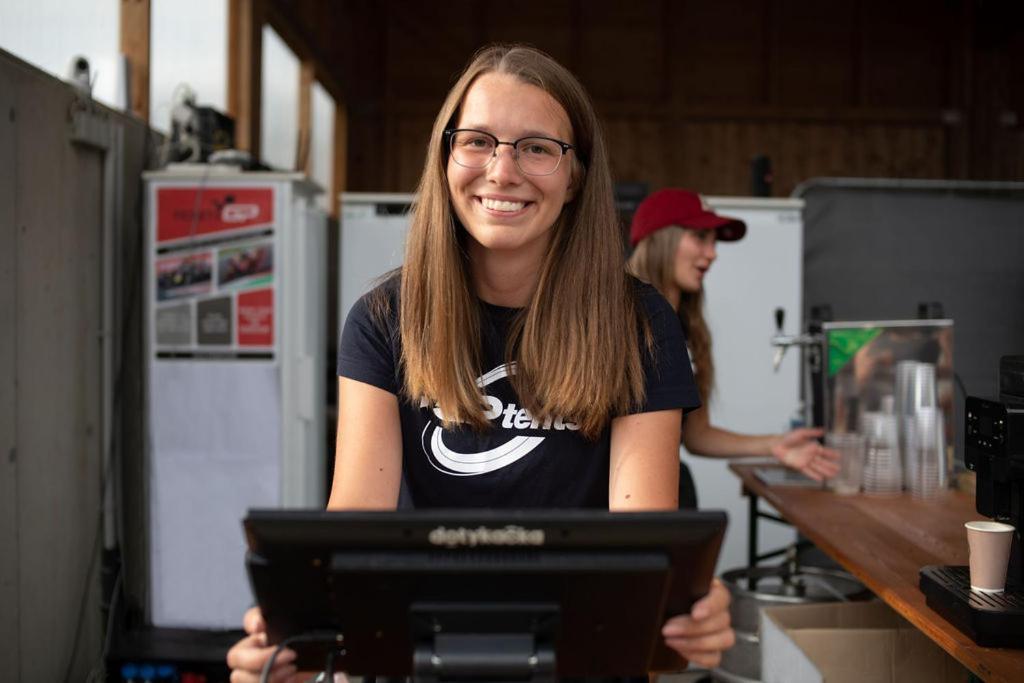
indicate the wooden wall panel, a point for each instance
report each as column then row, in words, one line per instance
column 912, row 89
column 546, row 25
column 714, row 157
column 621, row 53
column 453, row 32
column 909, row 54
column 813, row 53
column 412, row 133
column 717, row 52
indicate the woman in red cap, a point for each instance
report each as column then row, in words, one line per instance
column 674, row 235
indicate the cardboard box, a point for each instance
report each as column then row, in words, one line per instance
column 865, row 642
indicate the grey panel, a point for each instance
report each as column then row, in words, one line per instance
column 875, row 249
column 213, row 321
column 874, row 253
column 9, row 633
column 59, row 393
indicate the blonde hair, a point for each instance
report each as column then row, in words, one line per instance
column 653, row 261
column 576, row 344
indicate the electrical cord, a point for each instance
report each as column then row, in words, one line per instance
column 331, row 637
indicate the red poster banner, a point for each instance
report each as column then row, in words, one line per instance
column 189, row 212
column 255, row 322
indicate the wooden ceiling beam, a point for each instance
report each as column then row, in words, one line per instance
column 304, row 47
column 245, row 71
column 304, row 138
column 339, row 172
column 135, row 40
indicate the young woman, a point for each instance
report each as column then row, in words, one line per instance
column 674, row 238
column 512, row 362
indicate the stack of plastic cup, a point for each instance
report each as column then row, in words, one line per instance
column 850, row 447
column 925, row 452
column 883, row 474
column 915, row 390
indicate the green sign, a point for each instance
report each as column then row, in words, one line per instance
column 843, row 344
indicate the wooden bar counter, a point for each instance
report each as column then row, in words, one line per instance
column 884, row 542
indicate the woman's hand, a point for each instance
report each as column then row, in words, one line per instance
column 800, row 450
column 247, row 657
column 703, row 634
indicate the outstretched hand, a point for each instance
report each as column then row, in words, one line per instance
column 799, row 449
column 702, row 635
column 247, row 657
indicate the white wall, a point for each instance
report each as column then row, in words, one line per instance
column 748, row 281
column 49, row 33
column 279, row 123
column 189, row 46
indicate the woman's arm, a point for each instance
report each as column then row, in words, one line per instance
column 368, row 459
column 367, row 476
column 798, row 449
column 702, row 438
column 644, row 469
column 644, row 475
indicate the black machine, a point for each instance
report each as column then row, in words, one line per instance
column 479, row 594
column 994, row 450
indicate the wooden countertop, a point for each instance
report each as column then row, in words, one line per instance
column 884, row 542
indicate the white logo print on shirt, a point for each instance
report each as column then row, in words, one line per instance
column 451, row 462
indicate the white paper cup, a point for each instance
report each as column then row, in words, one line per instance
column 989, row 545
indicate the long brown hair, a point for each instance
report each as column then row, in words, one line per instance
column 576, row 344
column 653, row 260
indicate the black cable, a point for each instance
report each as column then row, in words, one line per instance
column 960, row 383
column 331, row 637
column 97, row 543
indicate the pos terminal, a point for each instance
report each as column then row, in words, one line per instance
column 476, row 595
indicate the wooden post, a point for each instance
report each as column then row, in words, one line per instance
column 135, row 28
column 339, row 177
column 304, row 140
column 245, row 67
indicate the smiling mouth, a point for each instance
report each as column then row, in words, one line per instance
column 502, row 205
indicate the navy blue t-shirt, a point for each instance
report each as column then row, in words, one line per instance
column 521, row 462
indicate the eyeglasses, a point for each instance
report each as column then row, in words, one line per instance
column 533, row 155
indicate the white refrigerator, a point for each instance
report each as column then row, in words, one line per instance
column 235, row 318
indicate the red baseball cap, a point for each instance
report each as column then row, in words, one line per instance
column 685, row 209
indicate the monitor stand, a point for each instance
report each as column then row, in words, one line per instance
column 481, row 642
column 989, row 619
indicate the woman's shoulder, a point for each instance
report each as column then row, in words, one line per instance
column 381, row 302
column 651, row 301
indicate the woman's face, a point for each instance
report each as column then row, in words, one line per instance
column 505, row 211
column 694, row 256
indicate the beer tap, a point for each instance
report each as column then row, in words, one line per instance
column 782, row 341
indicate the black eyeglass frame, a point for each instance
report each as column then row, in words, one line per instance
column 449, row 135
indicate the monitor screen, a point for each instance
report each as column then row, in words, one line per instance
column 446, row 592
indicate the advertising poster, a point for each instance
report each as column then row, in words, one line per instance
column 189, row 213
column 213, row 272
column 183, row 276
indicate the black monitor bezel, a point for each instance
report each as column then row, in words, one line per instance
column 290, row 553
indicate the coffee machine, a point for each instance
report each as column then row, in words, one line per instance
column 994, row 450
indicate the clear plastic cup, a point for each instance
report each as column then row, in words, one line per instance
column 915, row 389
column 850, row 447
column 926, row 446
column 883, row 473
